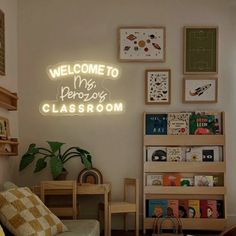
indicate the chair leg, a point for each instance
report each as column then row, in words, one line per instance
column 109, row 222
column 126, row 221
column 137, row 223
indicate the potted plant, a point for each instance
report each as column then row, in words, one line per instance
column 55, row 156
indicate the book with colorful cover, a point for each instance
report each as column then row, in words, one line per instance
column 212, row 209
column 203, row 208
column 203, row 180
column 211, row 153
column 193, row 208
column 155, row 153
column 220, row 208
column 175, row 154
column 171, row 180
column 157, row 208
column 183, row 208
column 178, row 123
column 218, row 180
column 186, row 181
column 202, row 124
column 172, row 209
column 153, row 179
column 156, row 124
column 193, row 154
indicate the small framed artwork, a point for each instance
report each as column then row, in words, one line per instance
column 200, row 50
column 2, row 44
column 4, row 128
column 142, row 44
column 196, row 90
column 91, row 176
column 157, row 86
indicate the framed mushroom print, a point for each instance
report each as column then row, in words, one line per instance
column 142, row 44
column 196, row 90
column 157, row 86
column 200, row 50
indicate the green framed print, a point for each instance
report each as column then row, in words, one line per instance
column 200, row 50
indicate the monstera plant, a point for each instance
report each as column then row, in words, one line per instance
column 54, row 157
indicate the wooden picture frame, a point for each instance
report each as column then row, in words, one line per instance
column 158, row 86
column 200, row 90
column 200, row 50
column 4, row 128
column 2, row 43
column 142, row 44
column 91, row 176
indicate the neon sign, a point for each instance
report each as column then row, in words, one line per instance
column 81, row 90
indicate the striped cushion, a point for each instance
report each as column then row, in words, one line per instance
column 24, row 214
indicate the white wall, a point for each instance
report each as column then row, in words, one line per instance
column 52, row 31
column 9, row 81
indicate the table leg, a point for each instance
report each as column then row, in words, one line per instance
column 106, row 214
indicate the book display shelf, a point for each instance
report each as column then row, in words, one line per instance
column 184, row 168
column 8, row 101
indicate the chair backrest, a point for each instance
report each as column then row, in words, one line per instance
column 229, row 232
column 67, row 187
column 134, row 183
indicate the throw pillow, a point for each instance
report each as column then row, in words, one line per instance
column 1, row 231
column 24, row 214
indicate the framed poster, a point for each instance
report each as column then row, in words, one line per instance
column 2, row 44
column 157, row 86
column 197, row 90
column 4, row 128
column 142, row 44
column 200, row 50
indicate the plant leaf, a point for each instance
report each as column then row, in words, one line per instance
column 55, row 146
column 26, row 159
column 56, row 166
column 32, row 149
column 40, row 164
column 86, row 158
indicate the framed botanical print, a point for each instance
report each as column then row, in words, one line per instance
column 142, row 44
column 157, row 86
column 2, row 44
column 200, row 50
column 196, row 90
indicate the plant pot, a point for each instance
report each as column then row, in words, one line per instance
column 63, row 175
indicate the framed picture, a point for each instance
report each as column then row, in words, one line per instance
column 4, row 128
column 91, row 176
column 142, row 44
column 2, row 44
column 202, row 90
column 157, row 86
column 200, row 50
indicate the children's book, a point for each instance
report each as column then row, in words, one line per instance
column 193, row 153
column 178, row 123
column 203, row 180
column 153, row 179
column 175, row 154
column 183, row 208
column 157, row 208
column 193, row 208
column 211, row 209
column 171, row 180
column 156, row 124
column 203, row 208
column 186, row 181
column 172, row 209
column 220, row 208
column 156, row 153
column 211, row 153
column 218, row 180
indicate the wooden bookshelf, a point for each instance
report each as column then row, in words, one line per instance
column 9, row 147
column 185, row 168
column 8, row 100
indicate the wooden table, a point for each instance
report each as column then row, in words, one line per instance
column 86, row 189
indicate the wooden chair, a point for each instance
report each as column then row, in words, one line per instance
column 229, row 232
column 125, row 206
column 67, row 187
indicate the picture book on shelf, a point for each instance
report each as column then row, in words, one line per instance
column 183, row 208
column 211, row 209
column 175, row 154
column 157, row 208
column 193, row 208
column 220, row 208
column 156, row 124
column 155, row 153
column 212, row 153
column 153, row 179
column 186, row 181
column 171, row 180
column 193, row 153
column 218, row 180
column 172, row 209
column 202, row 124
column 203, row 208
column 203, row 180
column 178, row 123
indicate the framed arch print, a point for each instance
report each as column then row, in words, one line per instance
column 142, row 44
column 91, row 176
column 158, row 86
